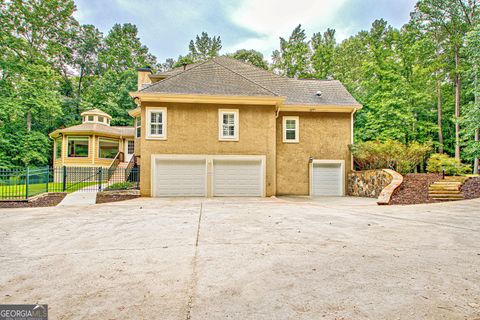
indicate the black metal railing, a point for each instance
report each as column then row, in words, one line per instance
column 22, row 184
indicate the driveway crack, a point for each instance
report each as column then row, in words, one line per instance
column 194, row 278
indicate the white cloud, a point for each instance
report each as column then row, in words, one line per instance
column 272, row 19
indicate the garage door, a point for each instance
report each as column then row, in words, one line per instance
column 180, row 178
column 237, row 178
column 327, row 179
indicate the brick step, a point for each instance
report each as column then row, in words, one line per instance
column 443, row 192
column 445, row 188
column 447, row 196
column 446, row 183
column 448, row 199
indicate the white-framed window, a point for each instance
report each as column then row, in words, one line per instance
column 156, row 123
column 228, row 124
column 291, row 129
column 77, row 147
column 107, row 148
column 138, row 127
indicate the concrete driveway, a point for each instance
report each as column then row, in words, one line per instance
column 286, row 258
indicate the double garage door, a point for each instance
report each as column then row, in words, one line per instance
column 194, row 177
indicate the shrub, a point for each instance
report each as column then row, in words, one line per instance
column 121, row 186
column 452, row 166
column 390, row 154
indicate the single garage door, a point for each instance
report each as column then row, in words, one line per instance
column 237, row 178
column 180, row 178
column 327, row 179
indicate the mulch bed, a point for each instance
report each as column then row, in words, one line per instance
column 118, row 195
column 471, row 188
column 414, row 189
column 47, row 200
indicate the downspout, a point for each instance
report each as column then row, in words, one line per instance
column 351, row 136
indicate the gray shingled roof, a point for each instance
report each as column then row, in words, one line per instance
column 227, row 76
column 98, row 128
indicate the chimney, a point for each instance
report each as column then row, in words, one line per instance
column 143, row 76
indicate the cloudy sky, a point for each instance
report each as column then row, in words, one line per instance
column 166, row 26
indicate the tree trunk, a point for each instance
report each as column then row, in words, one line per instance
column 475, row 162
column 79, row 91
column 439, row 112
column 457, row 105
column 29, row 121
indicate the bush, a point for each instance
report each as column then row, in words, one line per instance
column 121, row 186
column 390, row 154
column 452, row 166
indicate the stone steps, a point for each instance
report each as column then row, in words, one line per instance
column 447, row 189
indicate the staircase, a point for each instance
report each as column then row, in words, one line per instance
column 119, row 174
column 447, row 189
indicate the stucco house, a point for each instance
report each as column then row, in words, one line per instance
column 226, row 128
column 93, row 143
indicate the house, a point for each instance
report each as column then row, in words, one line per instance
column 226, row 128
column 94, row 143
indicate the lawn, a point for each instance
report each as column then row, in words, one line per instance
column 18, row 191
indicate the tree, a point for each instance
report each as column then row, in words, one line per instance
column 123, row 51
column 471, row 119
column 452, row 18
column 323, row 50
column 203, row 48
column 121, row 54
column 87, row 45
column 292, row 60
column 251, row 56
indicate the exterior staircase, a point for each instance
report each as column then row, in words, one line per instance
column 447, row 189
column 119, row 174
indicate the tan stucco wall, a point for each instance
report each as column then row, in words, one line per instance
column 193, row 129
column 324, row 136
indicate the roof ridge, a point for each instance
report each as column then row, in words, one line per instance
column 213, row 60
column 270, row 72
column 175, row 75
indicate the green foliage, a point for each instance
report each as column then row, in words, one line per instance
column 204, row 47
column 121, row 186
column 251, row 56
column 390, row 154
column 293, row 57
column 453, row 167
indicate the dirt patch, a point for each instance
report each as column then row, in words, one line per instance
column 45, row 200
column 114, row 196
column 414, row 188
column 471, row 188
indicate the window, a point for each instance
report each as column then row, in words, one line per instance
column 100, row 119
column 107, row 148
column 130, row 147
column 108, row 121
column 90, row 118
column 138, row 127
column 156, row 123
column 78, row 147
column 58, row 148
column 228, row 124
column 290, row 129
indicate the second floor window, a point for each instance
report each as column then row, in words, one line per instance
column 290, row 129
column 138, row 127
column 156, row 123
column 228, row 124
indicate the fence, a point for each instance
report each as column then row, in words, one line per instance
column 21, row 184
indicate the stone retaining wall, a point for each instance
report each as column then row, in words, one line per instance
column 369, row 183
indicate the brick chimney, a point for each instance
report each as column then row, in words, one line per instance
column 143, row 76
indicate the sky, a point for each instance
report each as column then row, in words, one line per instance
column 167, row 26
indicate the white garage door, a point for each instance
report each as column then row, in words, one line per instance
column 327, row 179
column 180, row 178
column 237, row 178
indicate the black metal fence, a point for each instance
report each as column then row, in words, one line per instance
column 21, row 184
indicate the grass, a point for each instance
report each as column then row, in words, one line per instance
column 18, row 191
